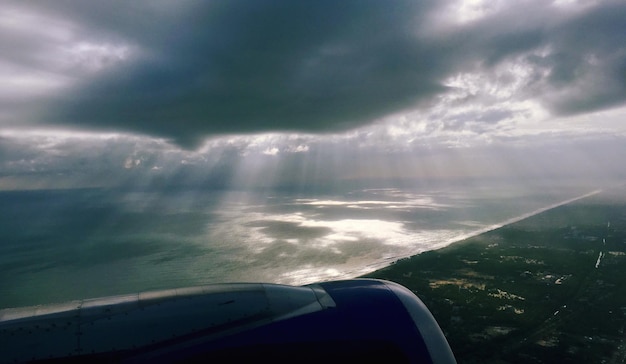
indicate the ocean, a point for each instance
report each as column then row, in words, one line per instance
column 60, row 245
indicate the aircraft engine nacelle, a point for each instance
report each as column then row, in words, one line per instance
column 340, row 321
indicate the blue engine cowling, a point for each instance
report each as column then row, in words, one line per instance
column 361, row 319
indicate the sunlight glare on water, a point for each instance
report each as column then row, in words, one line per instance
column 89, row 243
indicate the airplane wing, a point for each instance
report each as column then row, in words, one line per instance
column 338, row 321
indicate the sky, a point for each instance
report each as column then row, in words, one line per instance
column 298, row 93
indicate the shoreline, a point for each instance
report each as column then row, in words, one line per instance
column 460, row 238
column 548, row 288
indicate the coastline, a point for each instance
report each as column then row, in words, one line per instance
column 546, row 289
column 374, row 267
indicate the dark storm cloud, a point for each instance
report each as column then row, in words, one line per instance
column 262, row 66
column 193, row 69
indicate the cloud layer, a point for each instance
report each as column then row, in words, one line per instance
column 192, row 69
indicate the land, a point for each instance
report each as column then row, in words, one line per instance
column 550, row 288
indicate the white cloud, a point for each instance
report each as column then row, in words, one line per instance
column 466, row 11
column 300, row 148
column 271, row 151
column 93, row 57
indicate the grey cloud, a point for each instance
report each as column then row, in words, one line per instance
column 597, row 53
column 577, row 58
column 586, row 62
column 588, row 70
column 475, row 118
column 206, row 68
column 53, row 161
column 263, row 66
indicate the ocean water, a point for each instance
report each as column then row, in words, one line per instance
column 69, row 244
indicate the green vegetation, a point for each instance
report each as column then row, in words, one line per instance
column 530, row 291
